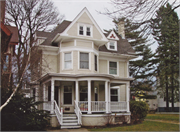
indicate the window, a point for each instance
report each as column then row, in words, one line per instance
column 67, row 95
column 83, row 93
column 81, row 31
column 114, row 94
column 85, row 30
column 84, row 60
column 113, row 68
column 67, row 61
column 95, row 62
column 6, row 65
column 112, row 45
column 88, row 31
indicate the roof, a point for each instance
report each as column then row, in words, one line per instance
column 50, row 35
column 123, row 46
column 14, row 37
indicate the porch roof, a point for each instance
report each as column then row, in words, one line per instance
column 76, row 76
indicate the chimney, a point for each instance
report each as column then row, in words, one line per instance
column 121, row 29
column 3, row 4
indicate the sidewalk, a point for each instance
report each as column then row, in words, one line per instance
column 69, row 130
column 171, row 122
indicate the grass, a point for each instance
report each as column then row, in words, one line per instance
column 145, row 126
column 165, row 117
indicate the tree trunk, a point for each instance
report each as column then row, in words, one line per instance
column 167, row 95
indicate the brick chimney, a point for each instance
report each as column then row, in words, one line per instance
column 121, row 29
column 3, row 4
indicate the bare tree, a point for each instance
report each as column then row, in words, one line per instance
column 28, row 16
column 138, row 11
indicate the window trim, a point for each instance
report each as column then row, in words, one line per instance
column 115, row 45
column 117, row 69
column 79, row 61
column 85, row 26
column 64, row 68
column 118, row 93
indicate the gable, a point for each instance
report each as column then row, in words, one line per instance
column 112, row 35
column 84, row 18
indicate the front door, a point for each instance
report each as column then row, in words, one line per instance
column 67, row 95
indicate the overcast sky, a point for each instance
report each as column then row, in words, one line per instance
column 71, row 8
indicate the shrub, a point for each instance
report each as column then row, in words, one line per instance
column 21, row 114
column 138, row 110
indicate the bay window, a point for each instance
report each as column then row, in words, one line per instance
column 84, row 60
column 67, row 61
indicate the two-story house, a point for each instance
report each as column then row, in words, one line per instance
column 87, row 73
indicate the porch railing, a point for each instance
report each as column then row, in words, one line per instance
column 83, row 105
column 59, row 114
column 47, row 105
column 78, row 112
column 118, row 106
column 56, row 110
column 99, row 106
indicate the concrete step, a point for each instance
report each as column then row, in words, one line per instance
column 69, row 115
column 70, row 124
column 70, row 121
column 70, row 127
column 69, row 118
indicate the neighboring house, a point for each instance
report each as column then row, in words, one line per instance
column 9, row 39
column 87, row 73
column 162, row 105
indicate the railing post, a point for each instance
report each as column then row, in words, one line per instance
column 61, row 115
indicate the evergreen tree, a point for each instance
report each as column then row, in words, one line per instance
column 21, row 114
column 142, row 68
column 166, row 32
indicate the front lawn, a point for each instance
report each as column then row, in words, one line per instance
column 145, row 126
column 165, row 117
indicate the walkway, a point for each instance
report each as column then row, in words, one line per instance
column 171, row 122
column 69, row 130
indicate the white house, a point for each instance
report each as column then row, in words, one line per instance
column 87, row 80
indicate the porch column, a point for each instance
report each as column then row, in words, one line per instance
column 106, row 95
column 44, row 92
column 44, row 96
column 109, row 96
column 127, row 96
column 52, row 96
column 77, row 91
column 89, row 96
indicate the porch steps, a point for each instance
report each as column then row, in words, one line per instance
column 70, row 121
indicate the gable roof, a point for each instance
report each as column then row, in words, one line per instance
column 85, row 10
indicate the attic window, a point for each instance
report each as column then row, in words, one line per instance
column 85, row 30
column 81, row 31
column 88, row 31
column 112, row 45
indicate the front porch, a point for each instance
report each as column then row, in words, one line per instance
column 85, row 95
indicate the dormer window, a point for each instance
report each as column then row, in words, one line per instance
column 85, row 30
column 112, row 45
